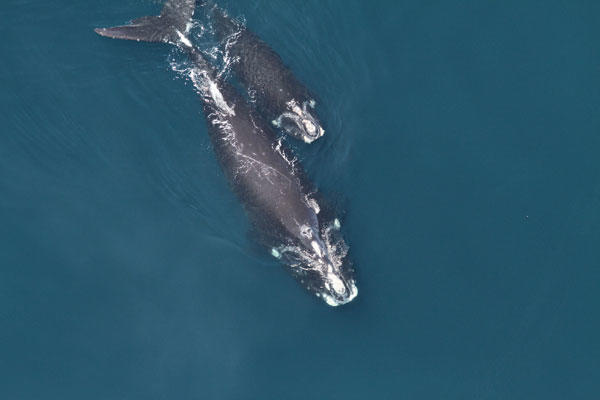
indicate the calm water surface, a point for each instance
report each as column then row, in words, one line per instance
column 462, row 145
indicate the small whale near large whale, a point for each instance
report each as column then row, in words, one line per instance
column 279, row 199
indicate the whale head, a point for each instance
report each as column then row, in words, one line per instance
column 333, row 282
column 300, row 121
column 320, row 264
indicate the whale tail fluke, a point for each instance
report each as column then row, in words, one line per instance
column 167, row 27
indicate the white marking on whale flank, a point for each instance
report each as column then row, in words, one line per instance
column 217, row 96
column 183, row 39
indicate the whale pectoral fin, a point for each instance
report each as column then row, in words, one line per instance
column 175, row 16
column 147, row 31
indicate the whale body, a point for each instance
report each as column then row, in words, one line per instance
column 277, row 196
column 280, row 96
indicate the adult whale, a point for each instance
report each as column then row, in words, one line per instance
column 275, row 193
column 279, row 95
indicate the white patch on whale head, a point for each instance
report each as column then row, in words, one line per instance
column 310, row 127
column 330, row 300
column 336, row 283
column 306, row 231
column 322, row 264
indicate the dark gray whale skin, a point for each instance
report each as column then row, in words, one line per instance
column 273, row 190
column 273, row 85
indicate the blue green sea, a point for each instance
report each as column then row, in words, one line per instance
column 462, row 150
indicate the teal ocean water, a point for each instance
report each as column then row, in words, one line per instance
column 462, row 145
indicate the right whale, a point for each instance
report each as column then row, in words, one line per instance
column 279, row 95
column 272, row 186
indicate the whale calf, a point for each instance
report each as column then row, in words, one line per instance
column 279, row 95
column 274, row 190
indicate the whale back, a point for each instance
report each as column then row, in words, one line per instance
column 258, row 67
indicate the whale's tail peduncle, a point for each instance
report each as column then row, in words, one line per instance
column 168, row 27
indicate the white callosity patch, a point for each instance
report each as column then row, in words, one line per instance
column 303, row 124
column 336, row 283
column 353, row 292
column 306, row 231
column 327, row 262
column 297, row 110
column 309, row 126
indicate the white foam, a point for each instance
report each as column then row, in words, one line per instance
column 217, row 96
column 316, row 248
column 312, row 203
